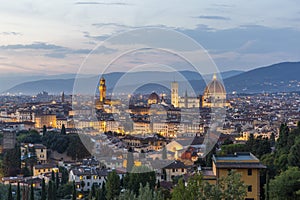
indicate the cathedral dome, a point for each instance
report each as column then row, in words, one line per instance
column 214, row 94
column 214, row 87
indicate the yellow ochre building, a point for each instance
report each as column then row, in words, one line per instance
column 245, row 164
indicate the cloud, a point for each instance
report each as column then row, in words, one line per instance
column 10, row 33
column 55, row 51
column 102, row 3
column 97, row 37
column 36, row 45
column 212, row 17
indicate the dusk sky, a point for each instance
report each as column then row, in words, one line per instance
column 54, row 37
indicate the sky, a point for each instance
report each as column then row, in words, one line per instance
column 56, row 37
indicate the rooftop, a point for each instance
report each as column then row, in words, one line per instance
column 238, row 160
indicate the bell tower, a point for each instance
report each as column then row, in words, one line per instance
column 102, row 90
column 174, row 94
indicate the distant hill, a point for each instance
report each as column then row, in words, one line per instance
column 275, row 78
column 7, row 81
column 281, row 77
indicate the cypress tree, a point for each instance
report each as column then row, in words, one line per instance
column 74, row 192
column 43, row 195
column 130, row 160
column 31, row 192
column 56, row 180
column 50, row 192
column 44, row 130
column 54, row 191
column 63, row 130
column 9, row 196
column 18, row 192
column 52, row 176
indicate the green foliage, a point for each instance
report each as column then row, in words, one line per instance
column 50, row 190
column 141, row 175
column 285, row 185
column 145, row 193
column 43, row 192
column 80, row 151
column 229, row 187
column 130, row 161
column 282, row 185
column 65, row 175
column 31, row 136
column 232, row 148
column 11, row 161
column 294, row 155
column 44, row 130
column 18, row 192
column 31, row 192
column 258, row 146
column 112, row 185
column 63, row 130
column 74, row 192
column 65, row 190
column 56, row 141
column 164, row 153
column 180, row 191
column 9, row 194
column 57, row 182
column 232, row 187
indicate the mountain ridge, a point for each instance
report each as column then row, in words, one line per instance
column 279, row 77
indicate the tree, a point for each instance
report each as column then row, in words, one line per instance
column 43, row 192
column 64, row 175
column 57, row 180
column 180, row 192
column 31, row 192
column 80, row 151
column 283, row 137
column 9, row 195
column 145, row 193
column 229, row 187
column 63, row 130
column 140, row 175
column 52, row 176
column 272, row 139
column 50, row 190
column 54, row 190
column 74, row 194
column 164, row 153
column 285, row 185
column 11, row 161
column 232, row 187
column 294, row 155
column 130, row 160
column 18, row 192
column 65, row 190
column 25, row 192
column 44, row 130
column 112, row 185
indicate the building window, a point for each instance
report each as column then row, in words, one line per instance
column 249, row 172
column 81, row 177
column 182, row 170
column 173, row 170
column 249, row 188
